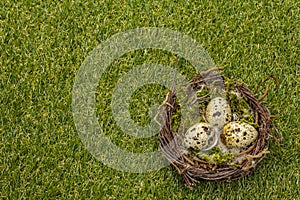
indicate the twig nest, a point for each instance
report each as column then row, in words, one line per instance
column 238, row 134
column 227, row 142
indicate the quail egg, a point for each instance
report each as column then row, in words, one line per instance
column 199, row 136
column 238, row 134
column 218, row 112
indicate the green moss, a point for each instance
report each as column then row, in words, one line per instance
column 176, row 119
column 238, row 105
column 203, row 92
column 196, row 115
column 217, row 157
column 204, row 157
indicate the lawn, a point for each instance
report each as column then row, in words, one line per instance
column 43, row 44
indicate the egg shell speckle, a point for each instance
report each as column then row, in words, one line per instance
column 198, row 136
column 238, row 134
column 218, row 112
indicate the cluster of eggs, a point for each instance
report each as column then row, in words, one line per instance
column 234, row 134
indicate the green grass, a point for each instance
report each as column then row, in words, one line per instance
column 43, row 44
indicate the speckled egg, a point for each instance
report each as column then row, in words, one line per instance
column 238, row 134
column 199, row 136
column 218, row 112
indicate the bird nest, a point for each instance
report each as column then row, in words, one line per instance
column 214, row 164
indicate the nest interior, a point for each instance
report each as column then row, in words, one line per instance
column 191, row 167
